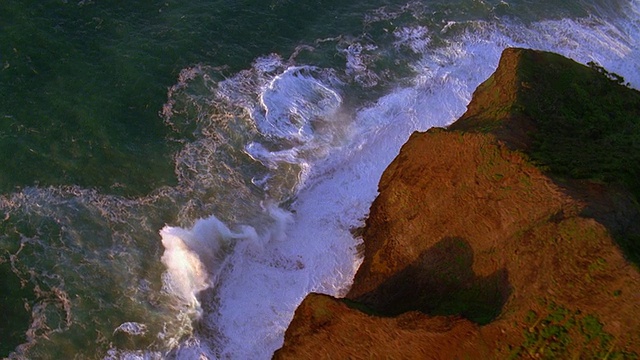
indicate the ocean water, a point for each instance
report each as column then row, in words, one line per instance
column 176, row 176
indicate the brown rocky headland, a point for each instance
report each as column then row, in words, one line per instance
column 514, row 233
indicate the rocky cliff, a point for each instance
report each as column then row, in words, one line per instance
column 513, row 233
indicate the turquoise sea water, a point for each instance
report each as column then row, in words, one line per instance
column 176, row 176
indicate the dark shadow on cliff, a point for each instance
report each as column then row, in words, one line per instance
column 580, row 124
column 612, row 206
column 441, row 281
column 588, row 138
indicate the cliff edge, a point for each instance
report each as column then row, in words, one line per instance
column 514, row 233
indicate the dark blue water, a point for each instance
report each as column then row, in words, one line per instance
column 176, row 176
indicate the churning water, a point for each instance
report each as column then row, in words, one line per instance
column 277, row 120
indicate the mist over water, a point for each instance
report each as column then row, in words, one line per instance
column 275, row 166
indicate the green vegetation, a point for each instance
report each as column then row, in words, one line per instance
column 587, row 126
column 573, row 229
column 561, row 333
column 572, row 121
column 613, row 76
column 588, row 123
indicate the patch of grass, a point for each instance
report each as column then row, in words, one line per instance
column 525, row 180
column 492, row 165
column 560, row 333
column 597, row 266
column 576, row 230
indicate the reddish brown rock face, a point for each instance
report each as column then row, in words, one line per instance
column 471, row 251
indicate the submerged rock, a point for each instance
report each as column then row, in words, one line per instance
column 515, row 232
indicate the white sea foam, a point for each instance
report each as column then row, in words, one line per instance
column 415, row 38
column 131, row 328
column 193, row 257
column 280, row 174
column 310, row 247
column 259, row 294
column 266, row 260
column 291, row 102
column 358, row 57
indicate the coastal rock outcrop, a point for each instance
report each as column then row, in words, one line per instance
column 513, row 233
